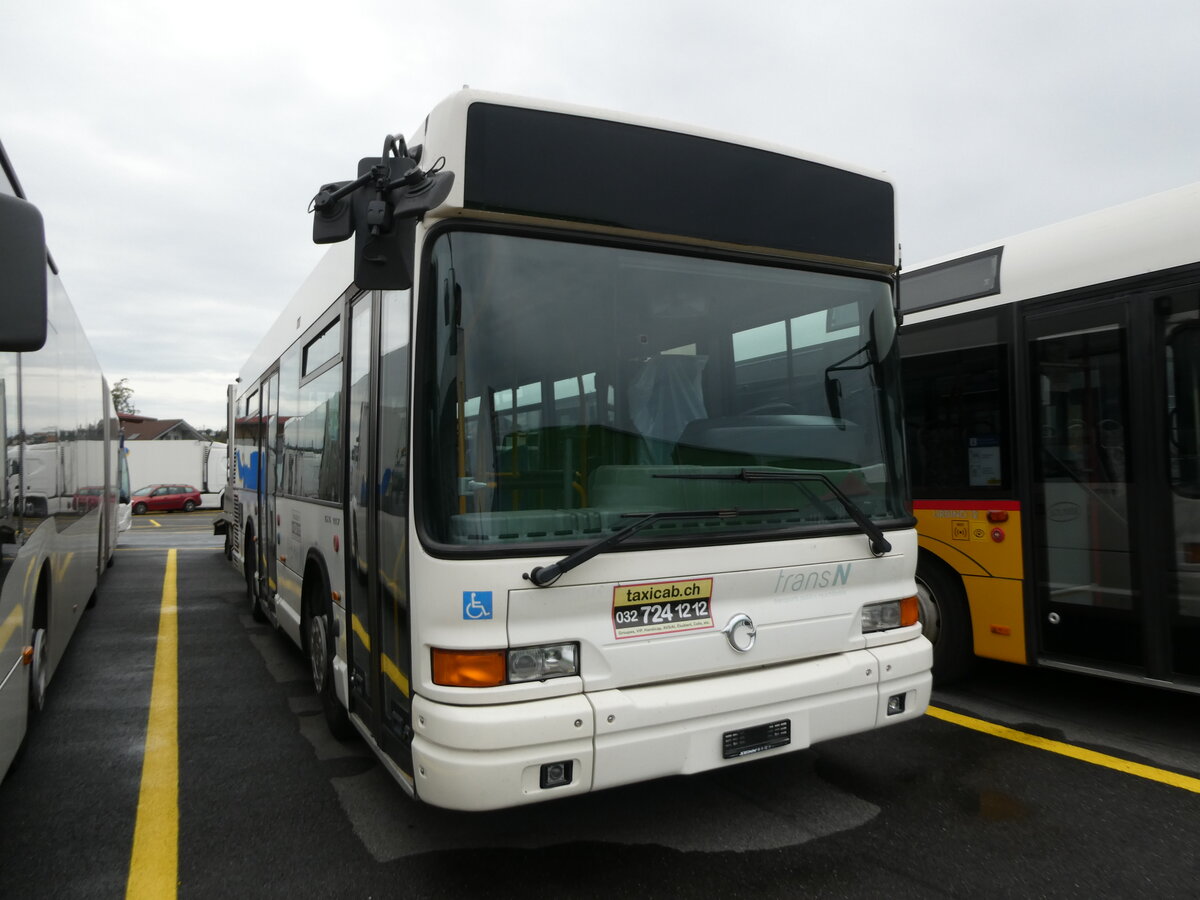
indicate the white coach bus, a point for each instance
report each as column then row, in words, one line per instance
column 63, row 499
column 583, row 463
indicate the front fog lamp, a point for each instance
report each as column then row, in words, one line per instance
column 892, row 614
column 540, row 663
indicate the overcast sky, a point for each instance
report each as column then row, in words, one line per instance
column 173, row 148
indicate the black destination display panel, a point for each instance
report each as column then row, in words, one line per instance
column 537, row 163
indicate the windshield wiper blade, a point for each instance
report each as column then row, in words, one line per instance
column 541, row 576
column 879, row 543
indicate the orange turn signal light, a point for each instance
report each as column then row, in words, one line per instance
column 27, row 656
column 909, row 611
column 469, row 668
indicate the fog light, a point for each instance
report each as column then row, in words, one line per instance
column 556, row 774
column 895, row 704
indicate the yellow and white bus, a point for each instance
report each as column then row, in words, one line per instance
column 1052, row 404
column 582, row 464
column 64, row 495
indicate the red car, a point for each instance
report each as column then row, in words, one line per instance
column 87, row 498
column 160, row 497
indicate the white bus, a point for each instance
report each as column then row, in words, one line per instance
column 62, row 498
column 1052, row 399
column 582, row 464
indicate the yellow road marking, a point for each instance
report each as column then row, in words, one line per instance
column 207, row 549
column 1174, row 779
column 154, row 862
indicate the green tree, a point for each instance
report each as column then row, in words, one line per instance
column 122, row 397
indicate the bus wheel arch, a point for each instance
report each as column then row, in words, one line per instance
column 320, row 645
column 945, row 618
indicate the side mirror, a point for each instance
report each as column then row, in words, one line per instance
column 22, row 275
column 381, row 209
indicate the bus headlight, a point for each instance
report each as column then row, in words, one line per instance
column 491, row 668
column 890, row 614
column 540, row 663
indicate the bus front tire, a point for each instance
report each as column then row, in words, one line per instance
column 38, row 673
column 945, row 621
column 256, row 610
column 321, row 649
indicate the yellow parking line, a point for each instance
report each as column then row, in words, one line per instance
column 1174, row 779
column 154, row 861
column 207, row 549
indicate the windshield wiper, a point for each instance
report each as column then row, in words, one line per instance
column 541, row 576
column 879, row 544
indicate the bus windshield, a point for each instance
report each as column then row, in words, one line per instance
column 574, row 385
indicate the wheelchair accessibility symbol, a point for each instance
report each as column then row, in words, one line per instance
column 477, row 604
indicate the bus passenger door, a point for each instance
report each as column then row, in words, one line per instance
column 1089, row 601
column 360, row 615
column 268, row 453
column 380, row 655
column 1178, row 325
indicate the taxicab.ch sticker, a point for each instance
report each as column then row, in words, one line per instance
column 663, row 607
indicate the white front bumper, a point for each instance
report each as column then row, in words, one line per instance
column 489, row 757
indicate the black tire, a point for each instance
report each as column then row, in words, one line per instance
column 38, row 672
column 250, row 568
column 318, row 640
column 946, row 621
column 139, row 509
column 189, row 505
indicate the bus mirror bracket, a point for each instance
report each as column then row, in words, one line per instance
column 23, row 285
column 381, row 209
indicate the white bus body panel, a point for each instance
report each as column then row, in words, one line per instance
column 655, row 706
column 1145, row 235
column 479, row 758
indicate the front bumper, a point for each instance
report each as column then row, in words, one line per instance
column 490, row 757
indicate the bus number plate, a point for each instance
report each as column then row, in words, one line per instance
column 735, row 744
column 664, row 607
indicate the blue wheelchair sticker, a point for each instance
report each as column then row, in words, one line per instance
column 477, row 604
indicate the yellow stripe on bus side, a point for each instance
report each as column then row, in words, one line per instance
column 13, row 621
column 154, row 862
column 1174, row 779
column 392, row 671
column 356, row 626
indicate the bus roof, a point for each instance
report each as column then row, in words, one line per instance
column 1151, row 234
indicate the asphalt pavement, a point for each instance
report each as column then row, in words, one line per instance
column 269, row 805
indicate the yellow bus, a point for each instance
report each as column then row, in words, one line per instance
column 1052, row 405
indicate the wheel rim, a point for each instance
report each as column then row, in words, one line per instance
column 318, row 652
column 931, row 616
